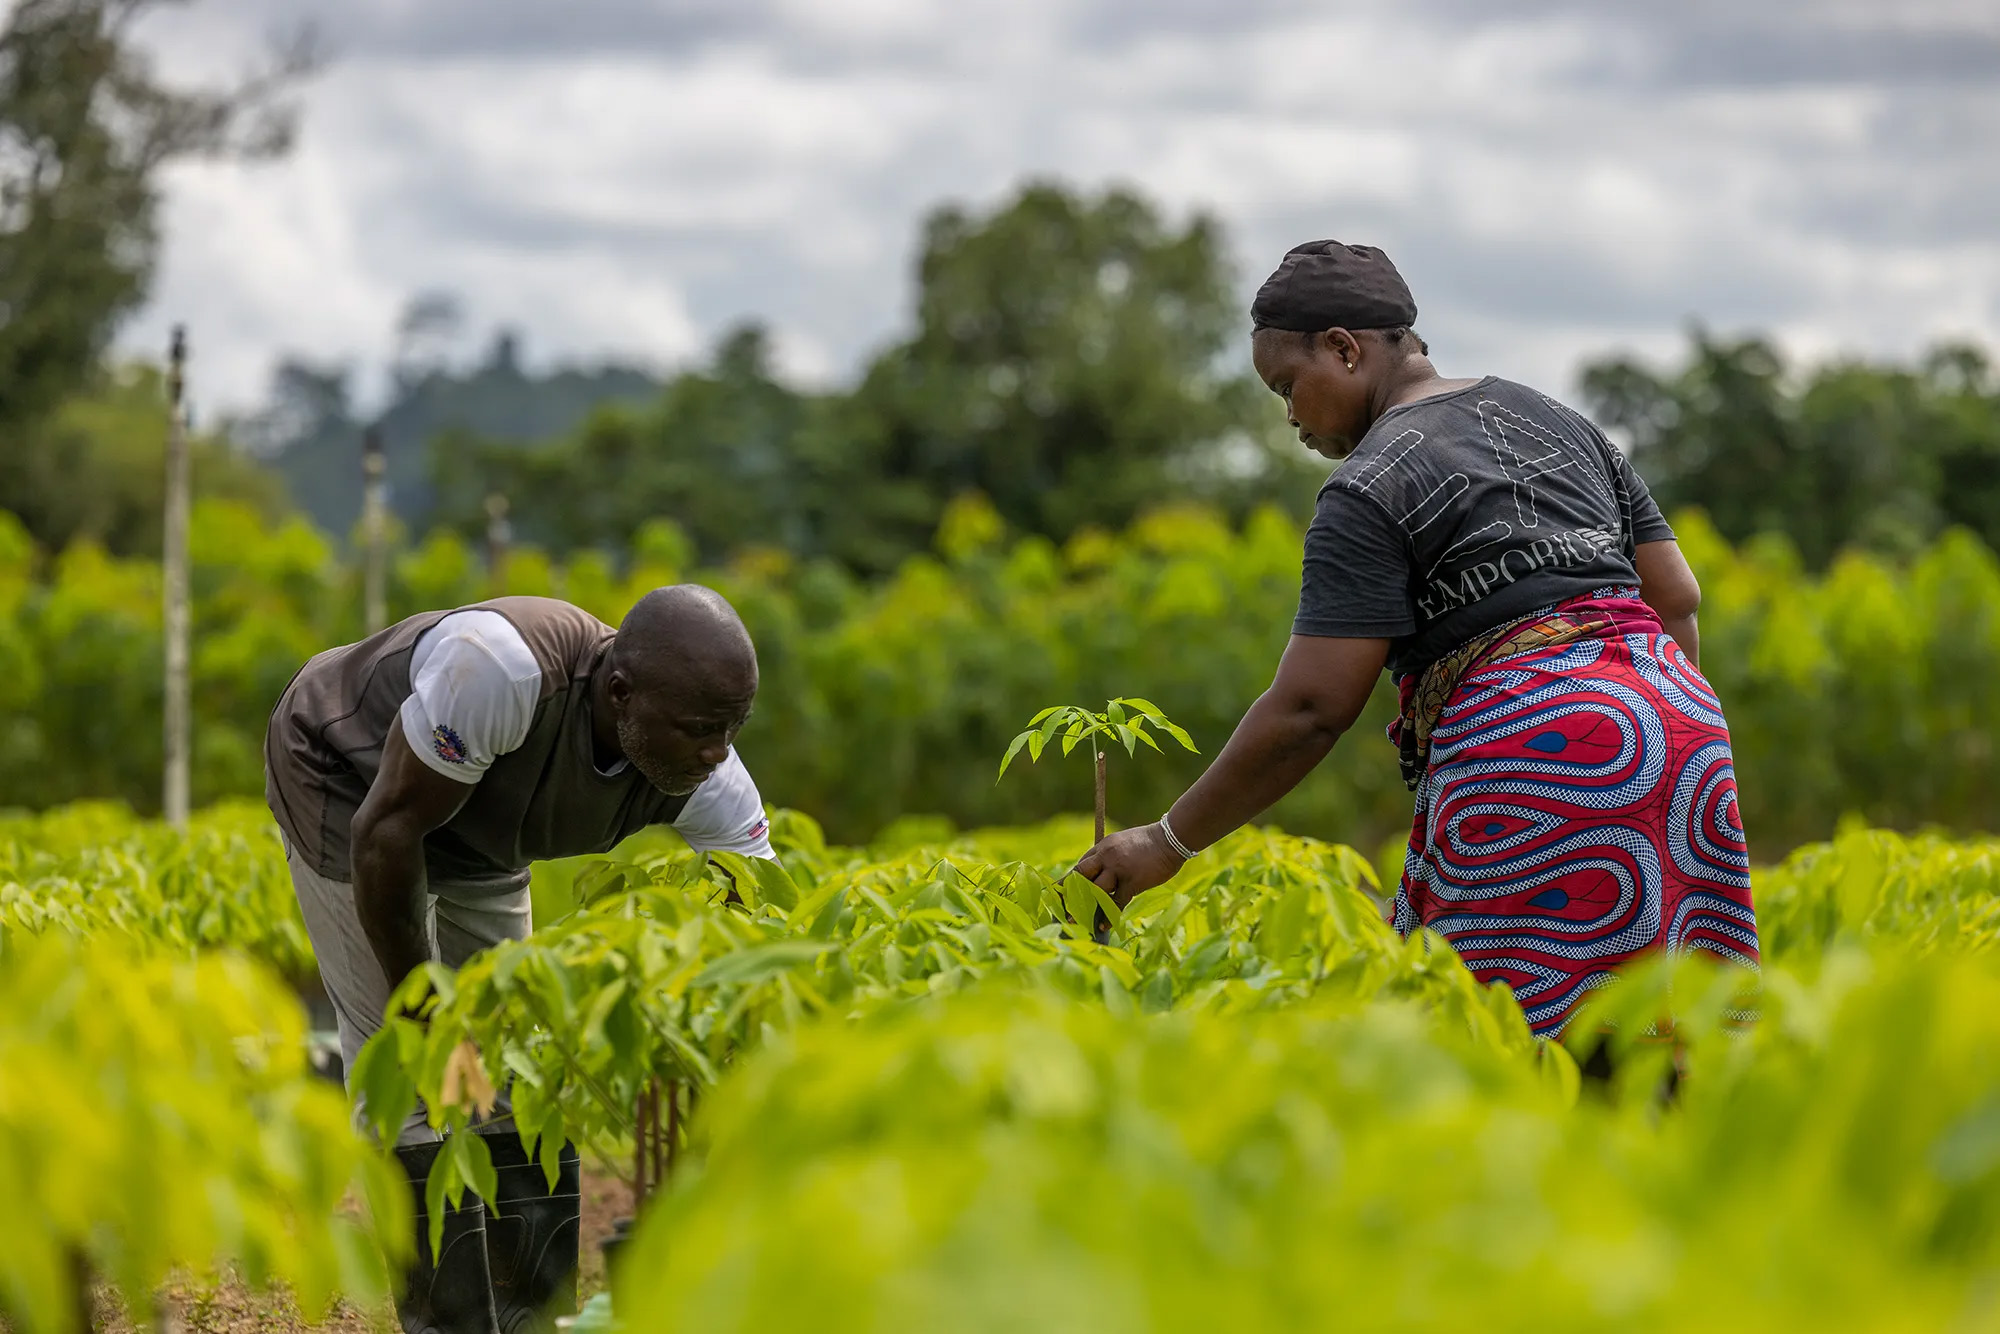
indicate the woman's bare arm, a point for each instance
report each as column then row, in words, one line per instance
column 1669, row 588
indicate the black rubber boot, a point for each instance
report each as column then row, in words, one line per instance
column 532, row 1236
column 453, row 1292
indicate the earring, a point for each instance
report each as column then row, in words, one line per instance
column 1350, row 365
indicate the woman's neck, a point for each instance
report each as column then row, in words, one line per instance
column 1412, row 382
column 1406, row 382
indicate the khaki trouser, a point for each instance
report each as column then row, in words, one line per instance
column 462, row 920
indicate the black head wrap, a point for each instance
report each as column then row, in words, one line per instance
column 1327, row 285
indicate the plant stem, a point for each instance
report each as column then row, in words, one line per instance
column 673, row 1126
column 662, row 1151
column 1100, row 793
column 639, row 1150
column 82, row 1283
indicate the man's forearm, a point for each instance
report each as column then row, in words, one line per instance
column 389, row 896
column 1275, row 746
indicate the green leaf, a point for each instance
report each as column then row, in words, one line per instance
column 549, row 1156
column 1114, row 712
column 1112, row 912
column 760, row 961
column 592, row 1027
column 1012, row 750
column 1128, row 736
column 413, row 993
column 1080, row 899
column 1051, row 725
column 382, row 1083
column 601, row 881
column 476, row 1166
column 1115, row 994
column 826, row 915
column 1283, row 924
column 775, row 883
column 1007, row 908
column 759, row 880
column 506, row 958
column 464, row 1163
column 1145, row 706
column 443, row 1187
column 809, row 909
column 1177, row 734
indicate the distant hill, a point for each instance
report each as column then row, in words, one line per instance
column 313, row 441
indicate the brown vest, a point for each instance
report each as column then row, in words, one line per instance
column 544, row 799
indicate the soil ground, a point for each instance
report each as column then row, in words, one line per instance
column 231, row 1308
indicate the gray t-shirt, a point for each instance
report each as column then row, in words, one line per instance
column 1459, row 513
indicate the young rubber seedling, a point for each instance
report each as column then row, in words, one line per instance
column 1124, row 721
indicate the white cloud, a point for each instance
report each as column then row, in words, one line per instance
column 1555, row 179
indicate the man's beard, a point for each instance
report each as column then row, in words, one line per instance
column 668, row 782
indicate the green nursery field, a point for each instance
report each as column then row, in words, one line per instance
column 921, row 1098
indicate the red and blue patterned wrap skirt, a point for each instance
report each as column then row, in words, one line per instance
column 1579, row 810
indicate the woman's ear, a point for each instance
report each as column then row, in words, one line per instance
column 1343, row 345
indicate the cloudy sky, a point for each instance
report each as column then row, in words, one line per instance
column 629, row 177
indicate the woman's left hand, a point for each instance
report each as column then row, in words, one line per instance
column 1130, row 862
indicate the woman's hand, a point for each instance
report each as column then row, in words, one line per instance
column 1321, row 686
column 1130, row 862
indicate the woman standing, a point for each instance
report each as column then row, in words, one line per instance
column 1576, row 801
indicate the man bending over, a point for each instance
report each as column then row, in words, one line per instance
column 415, row 776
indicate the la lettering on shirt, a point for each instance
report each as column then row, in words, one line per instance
column 473, row 687
column 1460, row 513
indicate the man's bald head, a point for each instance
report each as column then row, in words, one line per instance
column 683, row 675
column 683, row 637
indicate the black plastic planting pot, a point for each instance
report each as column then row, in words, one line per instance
column 613, row 1244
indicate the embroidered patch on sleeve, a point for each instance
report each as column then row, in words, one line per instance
column 449, row 748
column 761, row 828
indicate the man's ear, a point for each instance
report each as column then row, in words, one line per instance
column 618, row 689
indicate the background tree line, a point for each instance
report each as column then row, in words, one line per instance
column 1873, row 689
column 1070, row 361
column 1078, row 360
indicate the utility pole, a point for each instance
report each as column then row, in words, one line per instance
column 499, row 533
column 174, row 579
column 374, row 530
